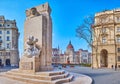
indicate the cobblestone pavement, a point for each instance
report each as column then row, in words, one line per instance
column 99, row 76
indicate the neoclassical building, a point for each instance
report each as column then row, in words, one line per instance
column 9, row 55
column 107, row 40
column 84, row 56
column 55, row 55
column 69, row 54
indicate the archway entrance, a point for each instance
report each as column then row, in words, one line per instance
column 68, row 60
column 104, row 58
column 8, row 62
column 0, row 62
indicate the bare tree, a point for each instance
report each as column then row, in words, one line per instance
column 86, row 32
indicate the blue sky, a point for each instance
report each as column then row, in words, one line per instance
column 66, row 15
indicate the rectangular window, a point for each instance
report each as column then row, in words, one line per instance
column 103, row 40
column 0, row 38
column 8, row 53
column 8, row 38
column 8, row 32
column 0, row 46
column 118, row 19
column 118, row 58
column 118, row 39
column 0, row 53
column 118, row 29
column 118, row 49
column 0, row 25
column 0, row 32
column 8, row 45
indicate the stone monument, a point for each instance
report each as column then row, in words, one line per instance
column 30, row 62
column 37, row 40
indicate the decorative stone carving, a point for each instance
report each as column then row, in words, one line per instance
column 32, row 12
column 28, row 13
column 33, row 49
column 27, row 65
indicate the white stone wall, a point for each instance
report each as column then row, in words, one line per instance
column 9, row 29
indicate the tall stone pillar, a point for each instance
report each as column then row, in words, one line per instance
column 38, row 23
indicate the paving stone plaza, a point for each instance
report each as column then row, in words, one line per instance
column 99, row 76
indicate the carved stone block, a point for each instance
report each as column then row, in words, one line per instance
column 27, row 65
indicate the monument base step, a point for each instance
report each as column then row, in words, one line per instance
column 49, row 77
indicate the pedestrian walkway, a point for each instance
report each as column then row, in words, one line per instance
column 81, row 79
column 78, row 78
column 4, row 80
column 99, row 76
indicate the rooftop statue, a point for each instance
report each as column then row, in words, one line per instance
column 33, row 49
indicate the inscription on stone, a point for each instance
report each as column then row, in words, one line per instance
column 27, row 65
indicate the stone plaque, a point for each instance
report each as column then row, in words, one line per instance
column 27, row 65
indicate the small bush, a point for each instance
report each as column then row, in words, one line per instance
column 86, row 65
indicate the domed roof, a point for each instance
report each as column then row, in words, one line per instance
column 70, row 46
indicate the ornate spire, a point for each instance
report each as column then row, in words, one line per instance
column 70, row 46
column 58, row 47
column 70, row 42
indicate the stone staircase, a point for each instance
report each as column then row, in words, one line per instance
column 51, row 77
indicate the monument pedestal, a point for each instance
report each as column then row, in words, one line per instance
column 46, row 68
column 29, row 65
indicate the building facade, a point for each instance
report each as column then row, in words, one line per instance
column 55, row 55
column 77, row 57
column 106, row 52
column 9, row 54
column 84, row 56
column 69, row 54
column 62, row 59
column 89, row 58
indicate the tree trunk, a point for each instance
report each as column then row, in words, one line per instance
column 96, row 51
